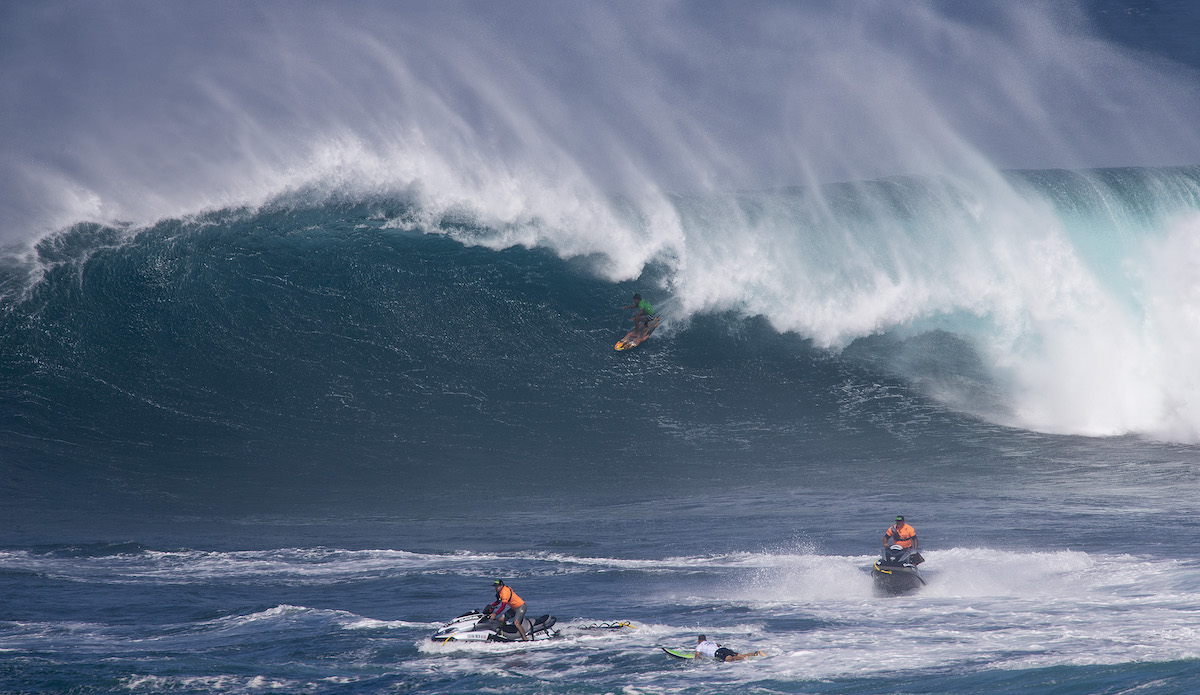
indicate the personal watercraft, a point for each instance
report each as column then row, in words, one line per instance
column 474, row 626
column 895, row 572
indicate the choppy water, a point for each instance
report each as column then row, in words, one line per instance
column 275, row 408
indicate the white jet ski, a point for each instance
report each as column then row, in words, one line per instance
column 474, row 627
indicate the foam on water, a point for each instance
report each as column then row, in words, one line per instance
column 813, row 615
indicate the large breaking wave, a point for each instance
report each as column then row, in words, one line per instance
column 398, row 233
column 1064, row 305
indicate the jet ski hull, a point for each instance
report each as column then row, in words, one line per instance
column 473, row 627
column 896, row 580
column 895, row 572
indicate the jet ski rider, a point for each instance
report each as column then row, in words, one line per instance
column 905, row 536
column 507, row 598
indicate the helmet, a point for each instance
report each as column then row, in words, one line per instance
column 498, row 582
column 900, row 519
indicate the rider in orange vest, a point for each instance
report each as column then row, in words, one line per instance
column 507, row 598
column 901, row 534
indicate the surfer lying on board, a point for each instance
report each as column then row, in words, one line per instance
column 645, row 311
column 716, row 651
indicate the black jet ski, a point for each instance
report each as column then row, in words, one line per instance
column 474, row 627
column 895, row 572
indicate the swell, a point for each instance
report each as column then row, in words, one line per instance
column 318, row 348
column 378, row 345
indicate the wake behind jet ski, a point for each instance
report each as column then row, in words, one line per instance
column 895, row 572
column 474, row 626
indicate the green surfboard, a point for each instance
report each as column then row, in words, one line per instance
column 689, row 654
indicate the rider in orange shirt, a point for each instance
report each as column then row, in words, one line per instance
column 901, row 534
column 905, row 536
column 507, row 598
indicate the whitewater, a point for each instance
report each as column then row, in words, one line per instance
column 307, row 317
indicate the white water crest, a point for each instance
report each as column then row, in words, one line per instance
column 138, row 110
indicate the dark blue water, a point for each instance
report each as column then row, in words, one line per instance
column 271, row 442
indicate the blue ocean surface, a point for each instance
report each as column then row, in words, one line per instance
column 307, row 326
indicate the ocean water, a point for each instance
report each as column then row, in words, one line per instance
column 307, row 317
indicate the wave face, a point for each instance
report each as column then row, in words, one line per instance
column 326, row 342
column 347, row 341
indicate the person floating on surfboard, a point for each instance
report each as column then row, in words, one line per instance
column 645, row 311
column 715, row 651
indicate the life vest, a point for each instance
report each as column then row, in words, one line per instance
column 507, row 595
column 645, row 306
column 902, row 536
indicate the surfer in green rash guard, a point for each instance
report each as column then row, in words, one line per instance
column 645, row 311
